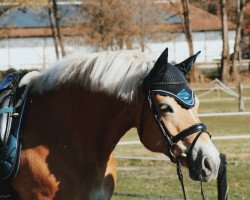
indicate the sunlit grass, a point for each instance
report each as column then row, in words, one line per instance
column 217, row 126
column 219, row 101
column 236, row 150
column 160, row 178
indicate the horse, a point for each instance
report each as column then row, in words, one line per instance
column 82, row 106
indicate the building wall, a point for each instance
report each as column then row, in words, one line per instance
column 29, row 53
column 209, row 43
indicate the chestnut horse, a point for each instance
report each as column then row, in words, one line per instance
column 80, row 109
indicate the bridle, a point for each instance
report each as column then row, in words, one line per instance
column 175, row 151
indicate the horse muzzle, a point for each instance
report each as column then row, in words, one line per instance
column 203, row 167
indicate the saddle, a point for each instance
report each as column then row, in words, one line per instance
column 13, row 103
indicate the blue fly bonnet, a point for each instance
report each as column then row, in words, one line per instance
column 169, row 80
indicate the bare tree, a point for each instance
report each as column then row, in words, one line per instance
column 195, row 73
column 117, row 24
column 224, row 70
column 142, row 21
column 39, row 4
column 53, row 30
column 108, row 23
column 55, row 27
column 7, row 5
column 59, row 34
column 234, row 69
column 187, row 26
column 147, row 17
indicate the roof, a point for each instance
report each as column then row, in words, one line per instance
column 23, row 17
column 200, row 20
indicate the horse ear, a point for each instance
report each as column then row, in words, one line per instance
column 163, row 59
column 186, row 65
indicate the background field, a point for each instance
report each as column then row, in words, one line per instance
column 158, row 179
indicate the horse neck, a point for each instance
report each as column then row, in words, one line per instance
column 92, row 123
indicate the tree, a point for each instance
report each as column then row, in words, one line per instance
column 195, row 73
column 234, row 69
column 108, row 23
column 117, row 24
column 224, row 70
column 57, row 24
column 147, row 16
column 37, row 5
column 7, row 5
column 55, row 28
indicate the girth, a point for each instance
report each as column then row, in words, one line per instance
column 13, row 103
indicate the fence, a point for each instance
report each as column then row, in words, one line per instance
column 235, row 92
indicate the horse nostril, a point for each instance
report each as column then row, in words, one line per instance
column 206, row 164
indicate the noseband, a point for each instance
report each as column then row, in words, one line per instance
column 174, row 149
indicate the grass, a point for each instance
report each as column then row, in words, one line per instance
column 219, row 101
column 217, row 126
column 230, row 125
column 159, row 178
column 236, row 150
column 224, row 105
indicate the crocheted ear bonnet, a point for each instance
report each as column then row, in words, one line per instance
column 169, row 80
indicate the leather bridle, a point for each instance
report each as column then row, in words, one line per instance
column 175, row 151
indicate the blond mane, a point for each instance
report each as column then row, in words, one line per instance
column 117, row 73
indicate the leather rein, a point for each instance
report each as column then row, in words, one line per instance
column 175, row 150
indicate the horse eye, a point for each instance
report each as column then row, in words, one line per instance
column 166, row 108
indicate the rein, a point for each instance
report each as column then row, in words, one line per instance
column 175, row 150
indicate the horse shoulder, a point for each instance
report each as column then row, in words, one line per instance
column 34, row 176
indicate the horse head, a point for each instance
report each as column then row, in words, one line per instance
column 169, row 120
